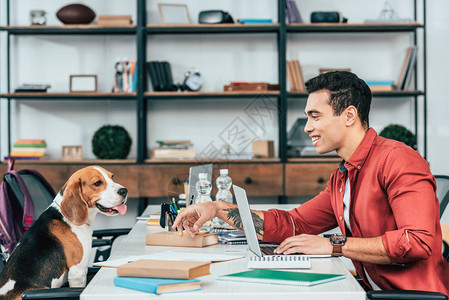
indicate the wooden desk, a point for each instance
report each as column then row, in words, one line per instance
column 102, row 286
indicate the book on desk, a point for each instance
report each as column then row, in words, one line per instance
column 281, row 277
column 158, row 285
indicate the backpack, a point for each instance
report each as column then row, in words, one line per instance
column 17, row 209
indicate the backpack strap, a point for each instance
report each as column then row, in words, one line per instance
column 28, row 205
column 11, row 163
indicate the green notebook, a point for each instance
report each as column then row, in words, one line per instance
column 281, row 277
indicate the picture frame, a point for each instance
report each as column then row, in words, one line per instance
column 72, row 152
column 83, row 83
column 173, row 14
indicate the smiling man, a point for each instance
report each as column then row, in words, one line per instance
column 382, row 197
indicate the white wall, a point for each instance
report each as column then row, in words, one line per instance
column 220, row 59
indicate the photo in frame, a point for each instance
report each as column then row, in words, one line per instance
column 173, row 14
column 83, row 83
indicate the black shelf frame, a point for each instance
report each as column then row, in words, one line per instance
column 142, row 30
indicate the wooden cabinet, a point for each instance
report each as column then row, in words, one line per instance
column 307, row 179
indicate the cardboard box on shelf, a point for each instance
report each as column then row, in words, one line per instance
column 263, row 148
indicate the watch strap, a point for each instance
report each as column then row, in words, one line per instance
column 337, row 250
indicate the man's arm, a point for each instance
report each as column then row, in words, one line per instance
column 370, row 250
column 194, row 216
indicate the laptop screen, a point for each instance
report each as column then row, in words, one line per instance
column 247, row 220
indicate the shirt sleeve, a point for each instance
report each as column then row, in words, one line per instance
column 313, row 217
column 411, row 193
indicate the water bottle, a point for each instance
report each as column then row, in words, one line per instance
column 203, row 188
column 224, row 184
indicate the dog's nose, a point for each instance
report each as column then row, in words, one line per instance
column 123, row 192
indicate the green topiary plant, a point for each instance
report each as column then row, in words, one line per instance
column 111, row 142
column 399, row 133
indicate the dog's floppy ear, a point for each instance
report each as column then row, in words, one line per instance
column 73, row 207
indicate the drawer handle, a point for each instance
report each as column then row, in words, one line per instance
column 176, row 181
column 248, row 180
column 320, row 180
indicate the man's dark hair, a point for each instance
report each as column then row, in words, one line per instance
column 345, row 89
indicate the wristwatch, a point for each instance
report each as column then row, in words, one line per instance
column 338, row 241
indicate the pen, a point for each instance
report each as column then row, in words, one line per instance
column 173, row 210
column 174, row 205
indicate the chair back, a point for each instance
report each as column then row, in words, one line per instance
column 442, row 191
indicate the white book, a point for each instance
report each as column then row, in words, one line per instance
column 280, row 262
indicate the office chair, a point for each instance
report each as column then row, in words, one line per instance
column 443, row 197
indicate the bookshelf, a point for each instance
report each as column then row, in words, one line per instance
column 280, row 31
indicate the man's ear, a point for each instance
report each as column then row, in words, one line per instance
column 73, row 207
column 351, row 115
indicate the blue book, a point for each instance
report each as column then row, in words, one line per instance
column 380, row 82
column 256, row 21
column 158, row 285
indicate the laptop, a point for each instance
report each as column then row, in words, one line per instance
column 248, row 225
column 193, row 179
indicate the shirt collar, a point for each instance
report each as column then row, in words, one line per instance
column 359, row 156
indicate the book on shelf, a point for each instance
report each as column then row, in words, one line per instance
column 255, row 21
column 250, row 87
column 164, row 269
column 295, row 77
column 125, row 77
column 28, row 149
column 158, row 285
column 181, row 144
column 292, row 13
column 172, row 153
column 381, row 86
column 114, row 20
column 172, row 238
column 161, row 76
column 407, row 68
column 32, row 88
column 281, row 277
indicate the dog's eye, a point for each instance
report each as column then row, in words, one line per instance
column 98, row 183
column 112, row 176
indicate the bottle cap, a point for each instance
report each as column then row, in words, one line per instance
column 202, row 176
column 182, row 196
column 223, row 171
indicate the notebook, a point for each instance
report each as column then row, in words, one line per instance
column 261, row 250
column 158, row 285
column 282, row 277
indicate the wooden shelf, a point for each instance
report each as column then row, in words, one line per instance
column 199, row 95
column 69, row 29
column 78, row 96
column 211, row 160
column 211, row 28
column 362, row 27
column 72, row 162
column 407, row 93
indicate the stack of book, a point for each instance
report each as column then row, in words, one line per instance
column 28, row 149
column 294, row 76
column 242, row 86
column 381, row 86
column 174, row 149
column 32, row 88
column 160, row 277
column 114, row 21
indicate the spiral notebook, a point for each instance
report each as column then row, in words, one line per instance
column 279, row 262
column 281, row 277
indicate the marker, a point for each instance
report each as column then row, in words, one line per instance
column 174, row 205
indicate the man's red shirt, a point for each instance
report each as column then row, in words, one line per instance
column 392, row 196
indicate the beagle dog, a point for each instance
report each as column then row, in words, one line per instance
column 58, row 245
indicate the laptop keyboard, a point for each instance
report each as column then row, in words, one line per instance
column 268, row 249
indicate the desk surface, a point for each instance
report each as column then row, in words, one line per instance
column 102, row 286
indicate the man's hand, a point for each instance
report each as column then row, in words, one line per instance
column 194, row 216
column 305, row 243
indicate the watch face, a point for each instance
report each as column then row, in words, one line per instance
column 338, row 239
